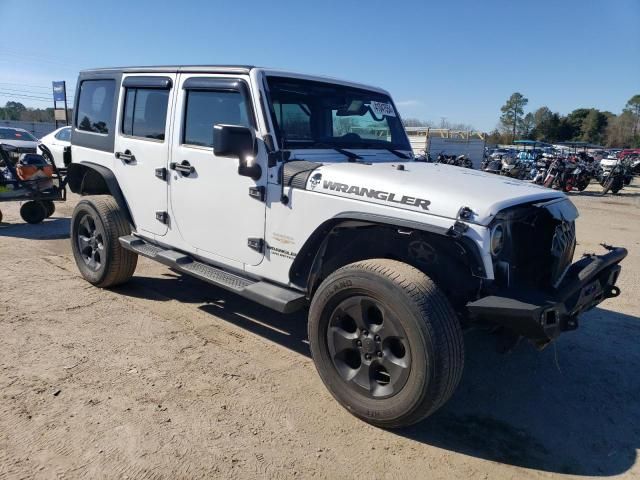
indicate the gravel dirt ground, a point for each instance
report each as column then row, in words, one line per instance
column 168, row 377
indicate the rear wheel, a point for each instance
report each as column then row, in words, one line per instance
column 96, row 225
column 386, row 342
column 33, row 212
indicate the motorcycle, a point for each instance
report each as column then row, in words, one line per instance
column 459, row 161
column 555, row 172
column 613, row 176
column 464, row 161
column 539, row 171
column 577, row 176
column 491, row 165
column 634, row 163
column 513, row 167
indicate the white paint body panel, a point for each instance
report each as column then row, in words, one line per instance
column 448, row 188
column 212, row 215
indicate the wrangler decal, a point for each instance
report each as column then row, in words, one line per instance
column 377, row 194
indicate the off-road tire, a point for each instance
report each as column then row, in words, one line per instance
column 33, row 212
column 433, row 335
column 117, row 265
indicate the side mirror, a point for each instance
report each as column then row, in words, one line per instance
column 237, row 141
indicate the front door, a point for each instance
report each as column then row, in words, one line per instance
column 210, row 202
column 142, row 148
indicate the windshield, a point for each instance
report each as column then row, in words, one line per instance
column 309, row 114
column 12, row 134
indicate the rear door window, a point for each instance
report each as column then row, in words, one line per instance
column 95, row 106
column 145, row 113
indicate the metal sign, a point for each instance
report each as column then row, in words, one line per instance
column 59, row 91
column 60, row 95
column 60, row 114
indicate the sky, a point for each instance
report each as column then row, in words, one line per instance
column 455, row 60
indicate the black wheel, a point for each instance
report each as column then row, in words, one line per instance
column 0, row 216
column 386, row 342
column 96, row 225
column 582, row 185
column 33, row 212
column 50, row 207
column 606, row 185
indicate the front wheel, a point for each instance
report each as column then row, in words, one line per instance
column 96, row 226
column 583, row 184
column 386, row 342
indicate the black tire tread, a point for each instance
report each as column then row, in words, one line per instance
column 440, row 323
column 122, row 264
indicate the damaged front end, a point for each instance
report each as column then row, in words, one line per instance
column 538, row 292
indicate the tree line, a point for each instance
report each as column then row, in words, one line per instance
column 17, row 111
column 582, row 124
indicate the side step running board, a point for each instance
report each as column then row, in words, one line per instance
column 278, row 298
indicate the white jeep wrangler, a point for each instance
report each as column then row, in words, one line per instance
column 296, row 191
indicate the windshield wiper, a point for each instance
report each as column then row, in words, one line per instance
column 353, row 157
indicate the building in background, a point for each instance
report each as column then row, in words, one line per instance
column 450, row 142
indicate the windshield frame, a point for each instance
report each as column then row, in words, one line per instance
column 329, row 143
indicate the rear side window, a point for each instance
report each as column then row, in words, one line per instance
column 64, row 134
column 145, row 113
column 95, row 106
column 206, row 108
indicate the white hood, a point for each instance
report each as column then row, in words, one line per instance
column 436, row 189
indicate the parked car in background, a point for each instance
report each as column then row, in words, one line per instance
column 21, row 140
column 54, row 145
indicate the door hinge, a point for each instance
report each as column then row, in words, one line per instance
column 162, row 217
column 161, row 173
column 257, row 192
column 256, row 244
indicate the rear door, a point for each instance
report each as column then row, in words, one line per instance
column 142, row 147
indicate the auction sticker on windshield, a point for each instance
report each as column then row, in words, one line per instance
column 381, row 108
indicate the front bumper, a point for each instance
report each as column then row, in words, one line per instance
column 542, row 316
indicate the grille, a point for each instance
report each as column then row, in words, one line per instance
column 563, row 246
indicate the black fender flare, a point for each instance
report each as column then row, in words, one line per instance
column 82, row 179
column 309, row 257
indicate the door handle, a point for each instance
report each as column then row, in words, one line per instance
column 185, row 168
column 126, row 156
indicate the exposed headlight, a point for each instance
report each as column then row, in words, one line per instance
column 497, row 239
